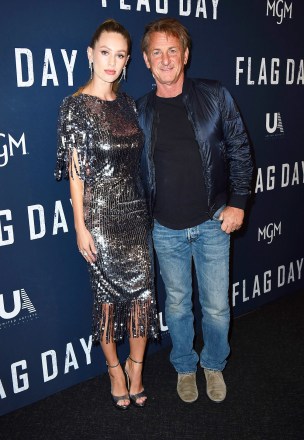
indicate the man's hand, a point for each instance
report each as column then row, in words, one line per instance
column 232, row 219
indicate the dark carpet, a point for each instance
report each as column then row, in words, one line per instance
column 265, row 399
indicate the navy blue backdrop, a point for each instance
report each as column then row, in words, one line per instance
column 255, row 48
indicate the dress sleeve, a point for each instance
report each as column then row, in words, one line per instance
column 71, row 136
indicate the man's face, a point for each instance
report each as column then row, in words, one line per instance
column 166, row 58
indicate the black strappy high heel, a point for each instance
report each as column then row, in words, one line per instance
column 135, row 397
column 116, row 399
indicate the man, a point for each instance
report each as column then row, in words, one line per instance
column 197, row 168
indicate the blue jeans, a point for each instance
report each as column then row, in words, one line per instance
column 209, row 247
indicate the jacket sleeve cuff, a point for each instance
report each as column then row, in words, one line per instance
column 237, row 201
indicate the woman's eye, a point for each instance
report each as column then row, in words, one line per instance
column 121, row 56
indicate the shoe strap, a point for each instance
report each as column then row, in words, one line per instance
column 135, row 362
column 118, row 398
column 112, row 366
column 138, row 395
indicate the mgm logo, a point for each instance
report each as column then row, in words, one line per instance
column 279, row 9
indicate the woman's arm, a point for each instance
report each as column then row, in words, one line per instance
column 85, row 240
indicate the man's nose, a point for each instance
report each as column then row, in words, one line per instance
column 165, row 59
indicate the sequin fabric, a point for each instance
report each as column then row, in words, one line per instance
column 108, row 142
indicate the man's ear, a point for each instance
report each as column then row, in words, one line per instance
column 146, row 60
column 186, row 56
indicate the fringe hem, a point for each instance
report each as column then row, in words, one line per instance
column 137, row 318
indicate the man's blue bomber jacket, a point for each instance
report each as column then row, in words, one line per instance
column 222, row 139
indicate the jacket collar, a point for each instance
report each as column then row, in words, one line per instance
column 187, row 86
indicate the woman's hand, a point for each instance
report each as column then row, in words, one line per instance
column 86, row 245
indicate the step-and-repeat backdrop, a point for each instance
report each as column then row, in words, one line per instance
column 255, row 48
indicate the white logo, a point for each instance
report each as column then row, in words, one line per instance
column 274, row 125
column 22, row 310
column 279, row 9
column 22, row 377
column 269, row 232
column 266, row 71
column 25, row 67
column 274, row 176
column 7, row 150
column 285, row 274
column 36, row 222
column 186, row 7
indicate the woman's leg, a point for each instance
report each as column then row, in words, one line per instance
column 134, row 365
column 117, row 377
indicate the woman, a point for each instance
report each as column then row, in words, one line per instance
column 99, row 150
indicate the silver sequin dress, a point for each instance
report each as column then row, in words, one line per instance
column 109, row 142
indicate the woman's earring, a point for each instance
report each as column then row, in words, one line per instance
column 123, row 75
column 91, row 69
